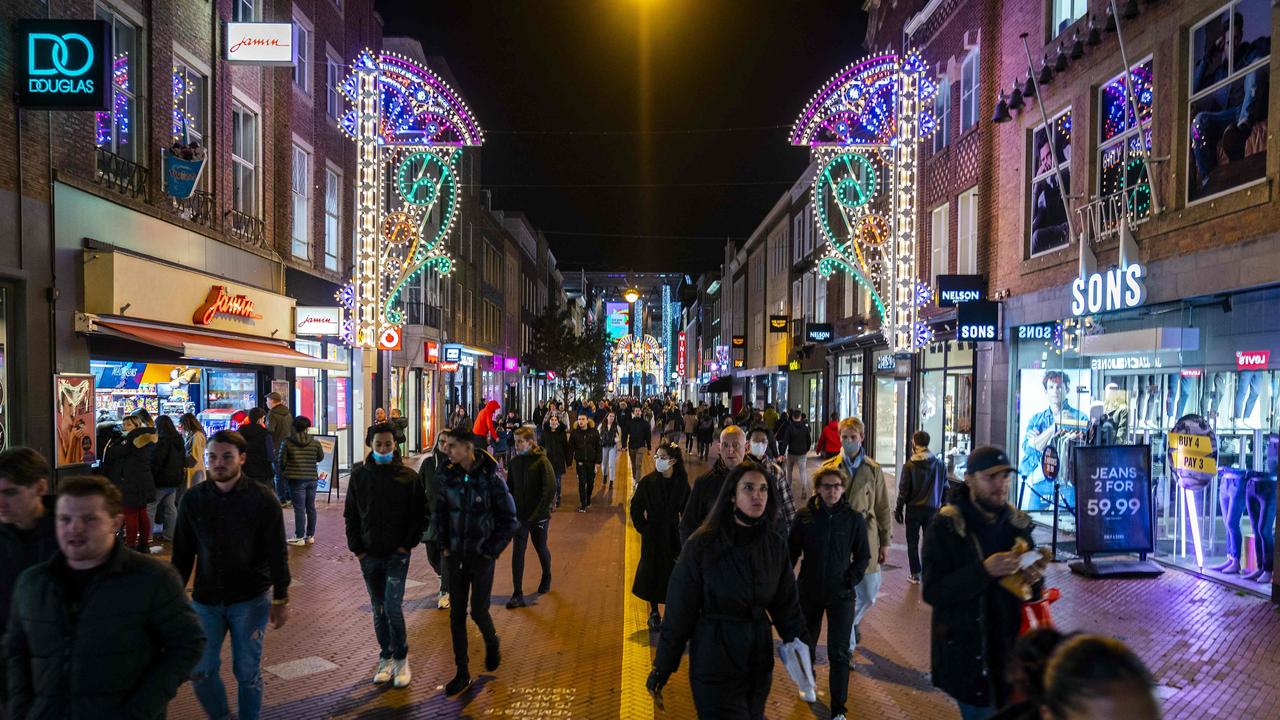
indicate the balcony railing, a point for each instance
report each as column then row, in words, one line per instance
column 1101, row 216
column 121, row 174
column 247, row 228
column 198, row 208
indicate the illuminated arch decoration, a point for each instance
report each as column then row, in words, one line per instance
column 410, row 127
column 864, row 128
column 637, row 354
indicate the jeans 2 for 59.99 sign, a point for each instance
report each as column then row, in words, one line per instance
column 1113, row 491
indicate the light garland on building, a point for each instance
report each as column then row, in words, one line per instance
column 119, row 112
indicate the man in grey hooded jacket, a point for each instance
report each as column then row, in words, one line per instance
column 921, row 486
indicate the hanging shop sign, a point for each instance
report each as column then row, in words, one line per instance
column 739, row 341
column 64, row 64
column 739, row 363
column 452, row 353
column 391, row 338
column 181, row 174
column 979, row 321
column 778, row 323
column 431, row 351
column 1252, row 359
column 317, row 320
column 511, row 364
column 1114, row 289
column 220, row 301
column 1113, row 490
column 955, row 289
column 818, row 332
column 681, row 349
column 448, row 367
column 793, row 365
column 260, row 43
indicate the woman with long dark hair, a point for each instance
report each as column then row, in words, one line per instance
column 655, row 511
column 169, row 468
column 733, row 576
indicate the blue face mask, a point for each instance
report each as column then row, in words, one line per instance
column 383, row 458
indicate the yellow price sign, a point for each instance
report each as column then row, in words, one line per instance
column 1190, row 444
column 1195, row 463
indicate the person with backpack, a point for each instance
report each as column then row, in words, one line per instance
column 922, row 485
column 299, row 460
column 795, row 444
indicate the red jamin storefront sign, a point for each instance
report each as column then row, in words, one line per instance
column 221, row 302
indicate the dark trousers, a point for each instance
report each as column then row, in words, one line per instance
column 635, row 464
column 839, row 624
column 586, row 483
column 917, row 518
column 440, row 568
column 384, row 578
column 470, row 583
column 519, row 542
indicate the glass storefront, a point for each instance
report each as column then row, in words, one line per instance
column 946, row 401
column 1200, row 367
column 214, row 395
column 849, row 385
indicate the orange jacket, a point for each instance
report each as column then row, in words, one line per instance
column 484, row 421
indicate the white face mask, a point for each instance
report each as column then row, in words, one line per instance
column 662, row 464
column 759, row 448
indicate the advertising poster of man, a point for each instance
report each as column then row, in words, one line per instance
column 1049, row 229
column 1048, row 413
column 73, row 413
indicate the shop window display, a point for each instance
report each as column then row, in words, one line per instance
column 946, row 402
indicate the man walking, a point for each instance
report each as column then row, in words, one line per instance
column 584, row 447
column 733, row 449
column 795, row 443
column 98, row 630
column 475, row 517
column 967, row 549
column 868, row 495
column 386, row 513
column 533, row 487
column 233, row 526
column 921, row 485
column 637, row 436
column 280, row 426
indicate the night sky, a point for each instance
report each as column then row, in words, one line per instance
column 560, row 89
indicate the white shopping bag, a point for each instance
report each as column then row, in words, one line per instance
column 795, row 658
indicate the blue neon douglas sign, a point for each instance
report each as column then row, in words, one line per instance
column 64, row 64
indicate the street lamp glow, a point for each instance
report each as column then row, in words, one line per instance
column 631, row 295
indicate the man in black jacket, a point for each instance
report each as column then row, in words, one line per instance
column 921, row 485
column 733, row 449
column 795, row 444
column 584, row 446
column 833, row 539
column 386, row 513
column 967, row 549
column 475, row 519
column 636, row 436
column 427, row 473
column 234, row 526
column 533, row 488
column 98, row 631
column 260, row 453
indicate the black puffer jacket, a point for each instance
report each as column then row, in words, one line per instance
column 585, row 444
column 720, row 601
column 259, row 458
column 797, row 440
column 533, row 485
column 20, row 549
column 386, row 508
column 169, row 461
column 836, row 552
column 128, row 465
column 299, row 458
column 134, row 640
column 556, row 444
column 475, row 515
column 703, row 495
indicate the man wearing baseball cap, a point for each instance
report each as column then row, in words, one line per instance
column 968, row 548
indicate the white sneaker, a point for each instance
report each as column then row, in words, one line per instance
column 311, row 539
column 385, row 667
column 839, row 717
column 403, row 675
column 809, row 696
column 297, row 541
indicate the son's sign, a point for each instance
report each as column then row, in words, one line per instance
column 64, row 64
column 1114, row 289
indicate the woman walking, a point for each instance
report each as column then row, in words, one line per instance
column 733, row 576
column 555, row 440
column 655, row 511
column 168, row 467
column 610, row 441
column 299, row 460
column 194, row 440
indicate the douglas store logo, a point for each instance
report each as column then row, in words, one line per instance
column 63, row 64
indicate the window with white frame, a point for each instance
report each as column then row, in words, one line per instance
column 967, row 232
column 797, row 248
column 1050, row 155
column 302, row 68
column 806, row 301
column 1123, row 143
column 119, row 129
column 940, row 240
column 190, row 90
column 332, row 217
column 942, row 112
column 797, row 299
column 820, row 299
column 243, row 10
column 333, row 81
column 1066, row 12
column 969, row 91
column 301, row 202
column 244, row 159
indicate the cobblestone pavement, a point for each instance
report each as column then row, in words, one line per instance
column 582, row 651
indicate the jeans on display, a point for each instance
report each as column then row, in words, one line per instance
column 520, row 542
column 247, row 623
column 865, row 593
column 839, row 623
column 469, row 580
column 609, row 459
column 917, row 520
column 435, row 560
column 384, row 578
column 1231, row 495
column 164, row 511
column 1181, row 390
column 1215, row 396
column 1149, row 398
column 973, row 712
column 1249, row 387
column 304, row 508
column 586, row 483
column 1261, row 500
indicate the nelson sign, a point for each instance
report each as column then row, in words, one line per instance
column 63, row 65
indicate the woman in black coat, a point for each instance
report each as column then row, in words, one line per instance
column 655, row 511
column 733, row 576
column 169, row 468
column 555, row 441
column 127, row 464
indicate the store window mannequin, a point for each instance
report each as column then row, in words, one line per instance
column 1231, row 495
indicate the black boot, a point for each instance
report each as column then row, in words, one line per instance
column 492, row 655
column 544, row 587
column 460, row 682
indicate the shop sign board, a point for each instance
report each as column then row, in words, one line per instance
column 511, row 364
column 778, row 323
column 1048, row 332
column 1049, row 462
column 391, row 338
column 220, row 301
column 681, row 349
column 1252, row 359
column 64, row 64
column 956, row 289
column 739, row 363
column 431, row 351
column 738, row 341
column 452, row 353
column 1113, row 491
column 448, row 367
column 793, row 365
column 73, row 415
column 317, row 320
column 260, row 43
column 619, row 319
column 979, row 321
column 327, row 469
column 1114, row 289
column 818, row 332
column 1192, row 454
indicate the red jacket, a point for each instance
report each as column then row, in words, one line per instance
column 484, row 422
column 830, row 439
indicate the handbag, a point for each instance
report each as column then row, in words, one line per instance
column 795, row 658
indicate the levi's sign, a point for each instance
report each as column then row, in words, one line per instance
column 1115, row 289
column 260, row 43
column 1252, row 359
column 64, row 64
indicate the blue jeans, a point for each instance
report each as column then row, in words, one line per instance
column 247, row 622
column 973, row 712
column 1261, row 499
column 384, row 578
column 1231, row 495
column 304, row 508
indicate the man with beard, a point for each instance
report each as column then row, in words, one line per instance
column 968, row 547
column 733, row 449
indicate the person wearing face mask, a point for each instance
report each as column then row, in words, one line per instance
column 386, row 513
column 733, row 449
column 968, row 547
column 533, row 487
column 867, row 493
column 732, row 581
column 757, row 452
column 656, row 505
column 555, row 440
column 584, row 446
